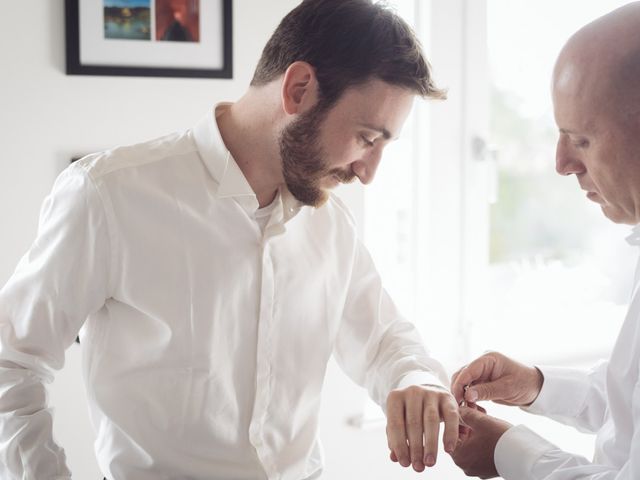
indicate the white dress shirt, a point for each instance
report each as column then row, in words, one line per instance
column 604, row 400
column 204, row 340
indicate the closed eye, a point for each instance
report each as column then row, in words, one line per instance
column 366, row 141
column 581, row 143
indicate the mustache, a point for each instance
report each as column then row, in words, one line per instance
column 343, row 176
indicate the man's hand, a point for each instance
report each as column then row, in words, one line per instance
column 475, row 454
column 496, row 377
column 413, row 422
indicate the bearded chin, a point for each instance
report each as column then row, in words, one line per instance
column 303, row 180
column 308, row 195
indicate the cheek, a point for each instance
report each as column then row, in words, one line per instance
column 611, row 183
column 342, row 153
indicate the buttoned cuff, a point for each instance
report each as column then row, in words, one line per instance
column 420, row 378
column 563, row 392
column 517, row 451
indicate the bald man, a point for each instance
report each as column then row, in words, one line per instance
column 596, row 96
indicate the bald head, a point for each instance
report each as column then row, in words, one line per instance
column 601, row 62
column 596, row 102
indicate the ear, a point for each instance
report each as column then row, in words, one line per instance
column 299, row 88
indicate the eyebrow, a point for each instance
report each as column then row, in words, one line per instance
column 385, row 133
column 583, row 132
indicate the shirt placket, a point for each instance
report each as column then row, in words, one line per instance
column 265, row 351
column 264, row 359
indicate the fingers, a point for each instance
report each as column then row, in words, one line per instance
column 496, row 390
column 496, row 377
column 431, row 420
column 464, row 430
column 396, row 432
column 472, row 417
column 477, row 370
column 450, row 415
column 463, row 434
column 413, row 425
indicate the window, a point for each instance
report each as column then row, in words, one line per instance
column 476, row 237
column 557, row 268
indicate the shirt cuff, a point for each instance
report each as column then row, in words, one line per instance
column 420, row 378
column 517, row 451
column 563, row 392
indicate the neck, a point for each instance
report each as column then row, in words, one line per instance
column 250, row 132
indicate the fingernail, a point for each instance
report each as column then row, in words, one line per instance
column 472, row 395
column 430, row 461
column 449, row 447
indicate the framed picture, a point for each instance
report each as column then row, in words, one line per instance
column 158, row 38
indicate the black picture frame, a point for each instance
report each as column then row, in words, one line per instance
column 74, row 65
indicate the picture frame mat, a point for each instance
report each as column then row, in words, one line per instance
column 208, row 53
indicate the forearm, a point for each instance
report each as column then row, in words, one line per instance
column 403, row 360
column 573, row 397
column 390, row 358
column 375, row 345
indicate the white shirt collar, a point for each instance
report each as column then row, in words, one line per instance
column 226, row 172
column 223, row 168
column 634, row 238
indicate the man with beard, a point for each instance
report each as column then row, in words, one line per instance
column 213, row 275
column 596, row 98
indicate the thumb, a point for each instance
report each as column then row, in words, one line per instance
column 472, row 417
column 486, row 391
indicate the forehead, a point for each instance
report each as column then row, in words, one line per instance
column 579, row 101
column 573, row 115
column 375, row 102
column 586, row 88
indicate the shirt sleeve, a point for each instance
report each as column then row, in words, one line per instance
column 573, row 397
column 375, row 346
column 521, row 454
column 61, row 279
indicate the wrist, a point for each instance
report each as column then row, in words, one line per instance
column 537, row 380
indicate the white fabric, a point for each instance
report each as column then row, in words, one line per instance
column 605, row 401
column 205, row 341
column 262, row 215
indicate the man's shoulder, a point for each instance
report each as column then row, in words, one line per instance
column 135, row 156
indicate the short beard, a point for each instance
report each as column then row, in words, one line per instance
column 304, row 164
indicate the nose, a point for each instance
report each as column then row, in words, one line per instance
column 567, row 160
column 366, row 168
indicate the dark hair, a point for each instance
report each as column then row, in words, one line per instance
column 348, row 42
